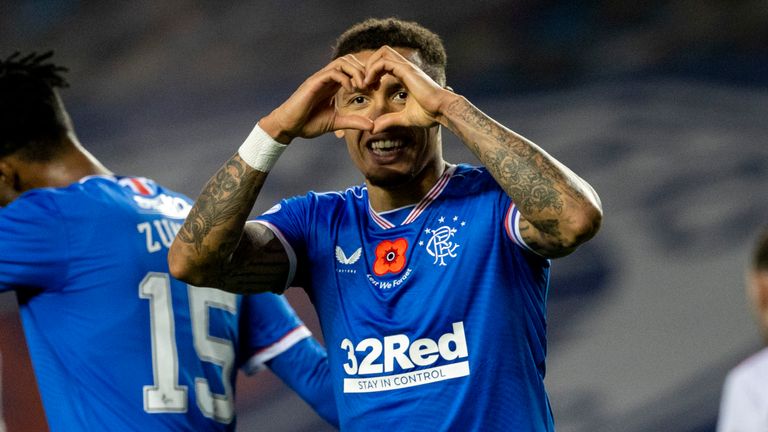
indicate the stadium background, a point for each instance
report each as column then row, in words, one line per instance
column 661, row 105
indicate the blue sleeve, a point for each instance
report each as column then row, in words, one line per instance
column 273, row 336
column 289, row 220
column 291, row 217
column 268, row 326
column 33, row 244
column 304, row 368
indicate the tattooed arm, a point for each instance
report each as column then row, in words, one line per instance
column 215, row 248
column 559, row 209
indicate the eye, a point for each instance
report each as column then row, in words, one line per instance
column 401, row 95
column 357, row 100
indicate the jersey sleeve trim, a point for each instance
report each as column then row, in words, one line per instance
column 512, row 227
column 258, row 361
column 292, row 261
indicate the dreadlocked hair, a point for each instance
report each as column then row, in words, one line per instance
column 32, row 117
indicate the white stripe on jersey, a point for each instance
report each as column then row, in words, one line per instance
column 433, row 193
column 292, row 261
column 512, row 227
column 257, row 362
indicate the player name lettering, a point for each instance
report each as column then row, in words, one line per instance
column 171, row 206
column 379, row 356
column 159, row 233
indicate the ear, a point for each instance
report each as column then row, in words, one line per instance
column 9, row 182
column 7, row 174
column 760, row 281
column 339, row 133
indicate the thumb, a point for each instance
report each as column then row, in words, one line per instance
column 388, row 120
column 352, row 122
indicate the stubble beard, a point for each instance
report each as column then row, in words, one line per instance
column 391, row 180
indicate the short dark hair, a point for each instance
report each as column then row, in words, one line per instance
column 374, row 33
column 32, row 117
column 760, row 253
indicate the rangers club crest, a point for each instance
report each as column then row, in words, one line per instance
column 440, row 244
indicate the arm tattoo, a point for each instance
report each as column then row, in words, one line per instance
column 532, row 181
column 226, row 253
column 221, row 200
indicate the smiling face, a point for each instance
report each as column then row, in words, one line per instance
column 396, row 156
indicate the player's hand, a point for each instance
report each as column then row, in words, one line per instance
column 310, row 111
column 426, row 98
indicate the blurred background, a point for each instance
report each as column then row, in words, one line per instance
column 661, row 105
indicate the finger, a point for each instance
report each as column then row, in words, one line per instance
column 351, row 66
column 382, row 61
column 352, row 122
column 354, row 68
column 387, row 121
column 374, row 71
column 324, row 83
column 404, row 71
column 385, row 52
column 340, row 78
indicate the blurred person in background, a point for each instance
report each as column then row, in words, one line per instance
column 744, row 403
column 430, row 280
column 116, row 343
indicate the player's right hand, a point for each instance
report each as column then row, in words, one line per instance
column 310, row 111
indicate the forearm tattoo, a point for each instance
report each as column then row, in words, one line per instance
column 529, row 178
column 220, row 201
column 214, row 229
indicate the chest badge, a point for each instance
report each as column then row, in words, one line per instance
column 342, row 258
column 440, row 244
column 347, row 261
column 390, row 256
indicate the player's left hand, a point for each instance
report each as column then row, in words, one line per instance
column 426, row 98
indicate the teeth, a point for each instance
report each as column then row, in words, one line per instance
column 386, row 145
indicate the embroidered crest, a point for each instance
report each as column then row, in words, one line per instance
column 440, row 245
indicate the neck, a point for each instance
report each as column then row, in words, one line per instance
column 74, row 163
column 384, row 198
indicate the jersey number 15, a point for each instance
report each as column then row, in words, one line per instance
column 166, row 395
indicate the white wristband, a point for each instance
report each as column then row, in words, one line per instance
column 260, row 150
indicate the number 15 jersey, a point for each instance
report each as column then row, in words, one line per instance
column 434, row 315
column 116, row 343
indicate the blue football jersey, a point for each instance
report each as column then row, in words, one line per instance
column 434, row 315
column 116, row 343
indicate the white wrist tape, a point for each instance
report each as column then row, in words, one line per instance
column 260, row 150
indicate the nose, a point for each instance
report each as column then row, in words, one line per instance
column 382, row 104
column 377, row 108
